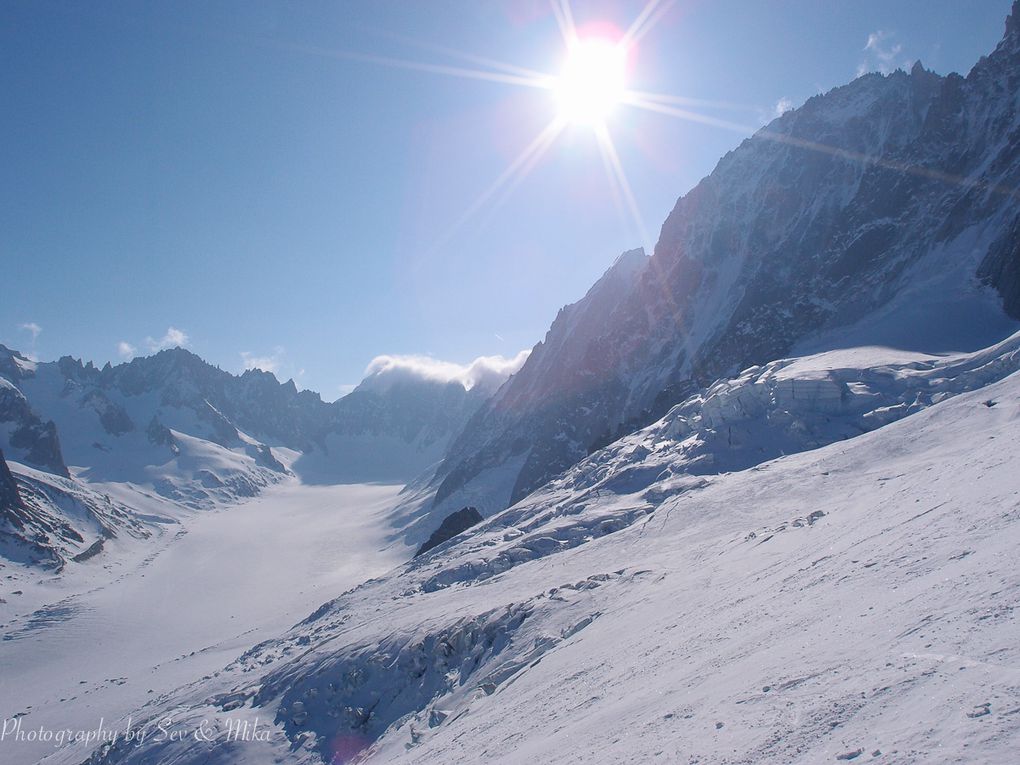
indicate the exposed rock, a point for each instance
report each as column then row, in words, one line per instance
column 10, row 497
column 898, row 187
column 31, row 440
column 391, row 428
column 264, row 456
column 452, row 525
column 40, row 445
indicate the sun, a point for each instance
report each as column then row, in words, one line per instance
column 591, row 84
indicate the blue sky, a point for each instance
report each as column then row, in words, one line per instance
column 228, row 171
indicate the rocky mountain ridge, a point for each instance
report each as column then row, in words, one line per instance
column 883, row 212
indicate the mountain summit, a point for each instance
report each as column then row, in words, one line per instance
column 883, row 212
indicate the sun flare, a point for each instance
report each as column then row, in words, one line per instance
column 591, row 84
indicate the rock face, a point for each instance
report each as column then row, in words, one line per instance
column 452, row 525
column 10, row 498
column 48, row 520
column 29, row 438
column 125, row 422
column 888, row 208
column 391, row 428
column 645, row 569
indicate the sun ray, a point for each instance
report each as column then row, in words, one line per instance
column 617, row 180
column 633, row 98
column 492, row 63
column 614, row 186
column 510, row 178
column 609, row 148
column 540, row 81
column 671, row 100
column 565, row 21
column 650, row 15
column 835, row 151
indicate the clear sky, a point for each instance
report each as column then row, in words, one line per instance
column 231, row 171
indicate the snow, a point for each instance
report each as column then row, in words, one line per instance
column 367, row 458
column 942, row 308
column 855, row 596
column 811, row 560
column 75, row 650
column 881, row 213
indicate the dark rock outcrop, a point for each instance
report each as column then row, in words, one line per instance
column 452, row 525
column 11, row 503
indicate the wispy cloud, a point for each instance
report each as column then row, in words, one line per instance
column 174, row 338
column 32, row 328
column 783, row 105
column 125, row 350
column 488, row 372
column 267, row 363
column 883, row 53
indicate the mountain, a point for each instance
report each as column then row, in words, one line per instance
column 393, row 426
column 176, row 427
column 804, row 563
column 806, row 551
column 48, row 521
column 883, row 212
column 762, row 488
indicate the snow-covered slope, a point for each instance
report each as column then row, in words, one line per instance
column 174, row 426
column 47, row 520
column 886, row 211
column 656, row 603
column 142, row 619
column 391, row 428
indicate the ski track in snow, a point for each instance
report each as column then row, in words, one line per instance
column 228, row 579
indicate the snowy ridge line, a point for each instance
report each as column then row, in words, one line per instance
column 397, row 661
column 787, row 242
column 62, row 520
column 764, row 413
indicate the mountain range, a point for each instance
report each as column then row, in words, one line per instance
column 177, row 427
column 753, row 497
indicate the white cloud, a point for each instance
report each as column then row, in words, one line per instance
column 883, row 54
column 125, row 350
column 782, row 106
column 174, row 338
column 343, row 390
column 31, row 327
column 488, row 372
column 267, row 363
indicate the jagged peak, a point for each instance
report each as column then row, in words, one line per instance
column 177, row 352
column 1010, row 43
column 629, row 262
column 256, row 373
column 4, row 350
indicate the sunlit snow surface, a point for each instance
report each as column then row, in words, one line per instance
column 657, row 604
column 102, row 642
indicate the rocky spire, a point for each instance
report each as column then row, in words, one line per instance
column 10, row 498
